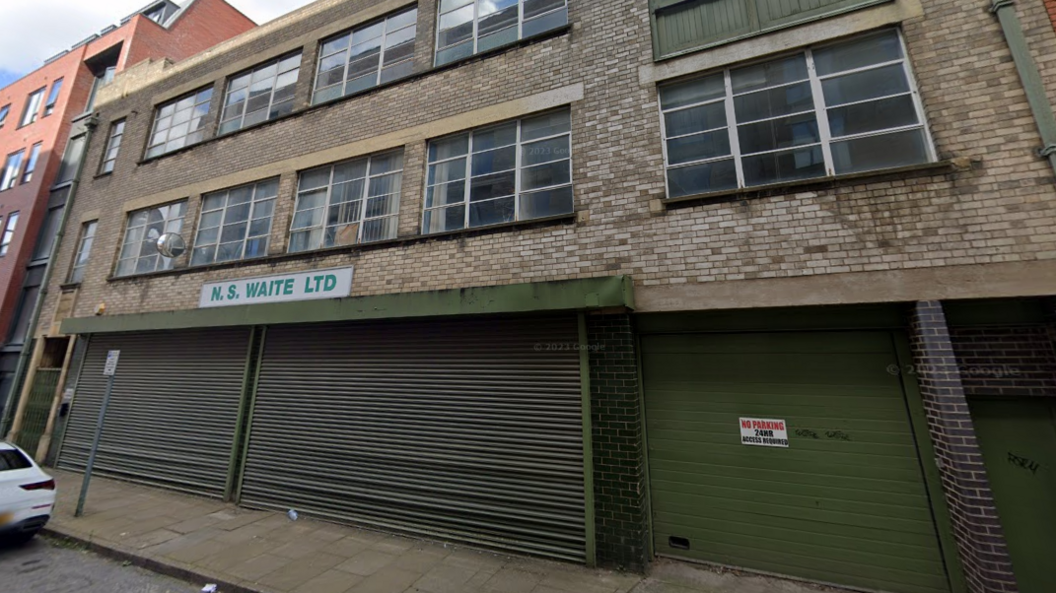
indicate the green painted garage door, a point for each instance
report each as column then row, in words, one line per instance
column 844, row 503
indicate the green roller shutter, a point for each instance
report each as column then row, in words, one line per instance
column 467, row 430
column 173, row 412
column 844, row 503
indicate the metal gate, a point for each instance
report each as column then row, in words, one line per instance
column 846, row 502
column 467, row 430
column 173, row 412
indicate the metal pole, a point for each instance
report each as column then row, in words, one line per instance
column 95, row 447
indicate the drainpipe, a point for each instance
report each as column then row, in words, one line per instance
column 1030, row 77
column 90, row 124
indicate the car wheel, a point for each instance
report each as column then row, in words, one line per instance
column 19, row 539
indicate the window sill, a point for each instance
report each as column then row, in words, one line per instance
column 773, row 189
column 353, row 250
column 103, row 175
column 558, row 32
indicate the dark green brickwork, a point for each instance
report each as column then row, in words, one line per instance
column 619, row 451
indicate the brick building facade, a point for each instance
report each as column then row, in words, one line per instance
column 70, row 82
column 799, row 274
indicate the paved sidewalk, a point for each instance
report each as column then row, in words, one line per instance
column 206, row 541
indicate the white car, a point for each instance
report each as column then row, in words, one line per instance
column 27, row 495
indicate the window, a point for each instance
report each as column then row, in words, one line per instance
column 101, row 80
column 467, row 27
column 11, row 459
column 180, row 123
column 53, row 97
column 139, row 254
column 681, row 26
column 113, row 146
column 11, row 168
column 831, row 110
column 32, row 107
column 84, row 251
column 48, row 231
column 235, row 224
column 71, row 159
column 380, row 53
column 9, row 232
column 265, row 93
column 510, row 172
column 31, row 164
column 3, row 114
column 347, row 203
column 20, row 324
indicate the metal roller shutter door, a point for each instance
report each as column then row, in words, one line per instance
column 846, row 503
column 462, row 430
column 173, row 412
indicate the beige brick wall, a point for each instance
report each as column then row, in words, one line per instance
column 1000, row 211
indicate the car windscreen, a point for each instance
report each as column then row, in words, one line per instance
column 12, row 459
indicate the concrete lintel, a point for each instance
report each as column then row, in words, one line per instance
column 568, row 295
column 981, row 281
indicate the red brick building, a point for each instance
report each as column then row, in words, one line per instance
column 36, row 114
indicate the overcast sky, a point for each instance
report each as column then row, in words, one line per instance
column 32, row 31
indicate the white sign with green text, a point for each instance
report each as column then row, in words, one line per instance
column 305, row 286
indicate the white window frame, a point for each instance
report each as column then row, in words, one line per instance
column 12, row 169
column 113, row 147
column 53, row 97
column 9, row 232
column 255, row 200
column 31, row 163
column 5, row 111
column 202, row 119
column 363, row 200
column 33, row 103
column 819, row 109
column 84, row 251
column 241, row 119
column 171, row 223
column 518, row 173
column 385, row 34
column 476, row 28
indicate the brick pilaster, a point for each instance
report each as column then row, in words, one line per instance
column 976, row 527
column 619, row 454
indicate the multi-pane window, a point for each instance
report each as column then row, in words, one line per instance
column 9, row 232
column 6, row 109
column 53, row 97
column 180, row 123
column 264, row 93
column 356, row 201
column 235, row 224
column 366, row 57
column 11, row 168
column 514, row 171
column 831, row 110
column 139, row 253
column 31, row 164
column 84, row 251
column 32, row 107
column 467, row 27
column 113, row 146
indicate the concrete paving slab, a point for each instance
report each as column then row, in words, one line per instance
column 367, row 562
column 331, row 581
column 387, row 581
column 512, row 580
column 445, row 578
column 298, row 572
